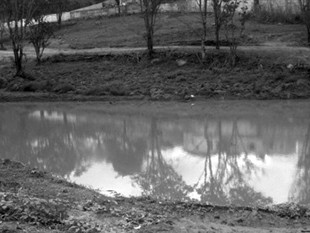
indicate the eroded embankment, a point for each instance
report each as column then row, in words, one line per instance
column 35, row 201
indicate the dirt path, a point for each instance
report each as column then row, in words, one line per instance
column 282, row 53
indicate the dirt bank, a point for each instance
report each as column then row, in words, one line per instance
column 35, row 201
column 171, row 75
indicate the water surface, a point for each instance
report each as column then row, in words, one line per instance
column 249, row 155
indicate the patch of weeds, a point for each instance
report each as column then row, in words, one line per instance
column 174, row 74
column 36, row 86
column 9, row 185
column 55, row 59
column 114, row 88
column 3, row 83
column 97, row 91
column 32, row 210
column 16, row 84
column 63, row 88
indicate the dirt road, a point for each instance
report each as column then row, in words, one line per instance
column 283, row 54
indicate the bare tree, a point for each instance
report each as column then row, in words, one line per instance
column 201, row 19
column 118, row 4
column 2, row 28
column 60, row 6
column 217, row 10
column 141, row 5
column 18, row 14
column 203, row 10
column 305, row 11
column 224, row 11
column 256, row 6
column 40, row 33
column 150, row 11
column 230, row 28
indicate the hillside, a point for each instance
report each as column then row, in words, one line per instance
column 171, row 29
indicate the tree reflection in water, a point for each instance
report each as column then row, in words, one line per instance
column 159, row 179
column 300, row 191
column 125, row 154
column 43, row 143
column 138, row 147
column 224, row 180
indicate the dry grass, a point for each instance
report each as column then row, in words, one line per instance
column 172, row 29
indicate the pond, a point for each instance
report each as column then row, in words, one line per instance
column 225, row 152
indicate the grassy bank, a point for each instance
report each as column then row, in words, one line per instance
column 131, row 75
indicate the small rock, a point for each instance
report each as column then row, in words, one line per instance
column 155, row 61
column 290, row 67
column 188, row 97
column 36, row 173
column 181, row 62
column 65, row 191
column 74, row 229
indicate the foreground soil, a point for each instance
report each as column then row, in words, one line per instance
column 171, row 75
column 35, row 201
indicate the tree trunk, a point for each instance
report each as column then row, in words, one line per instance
column 38, row 54
column 203, row 40
column 1, row 40
column 256, row 6
column 119, row 9
column 18, row 59
column 150, row 48
column 59, row 19
column 217, row 36
column 217, row 10
column 141, row 6
column 308, row 32
column 149, row 31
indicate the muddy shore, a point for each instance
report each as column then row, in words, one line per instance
column 35, row 201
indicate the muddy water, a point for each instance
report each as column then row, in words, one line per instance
column 255, row 154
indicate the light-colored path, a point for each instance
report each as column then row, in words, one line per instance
column 282, row 53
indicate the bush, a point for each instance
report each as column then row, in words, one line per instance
column 63, row 88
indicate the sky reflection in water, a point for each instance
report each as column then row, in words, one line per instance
column 243, row 160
